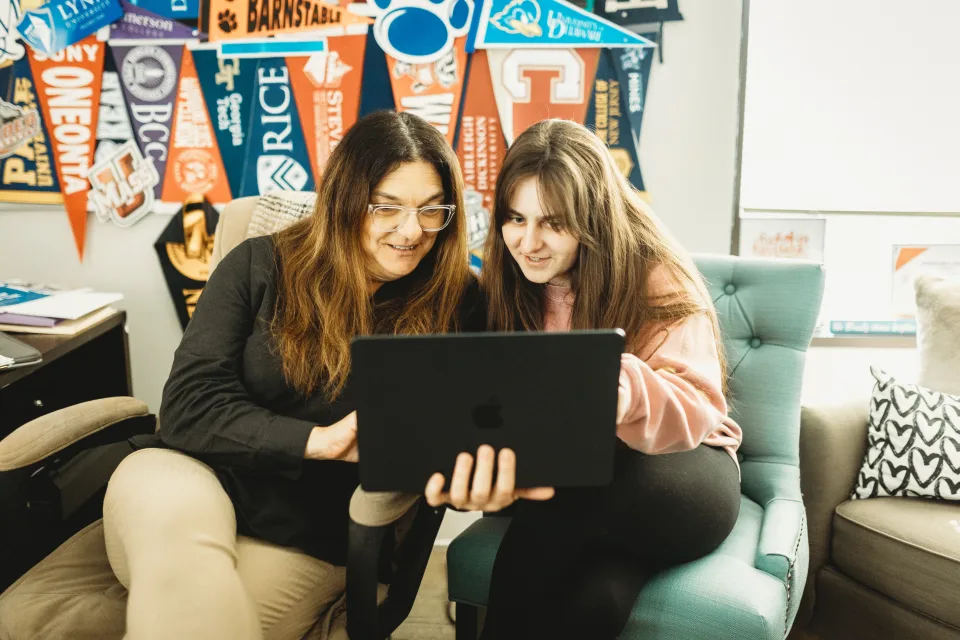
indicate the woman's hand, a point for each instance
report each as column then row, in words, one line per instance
column 336, row 442
column 485, row 494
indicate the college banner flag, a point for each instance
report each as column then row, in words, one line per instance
column 375, row 92
column 137, row 22
column 194, row 166
column 481, row 148
column 59, row 23
column 185, row 251
column 176, row 9
column 27, row 172
column 148, row 76
column 432, row 90
column 511, row 24
column 531, row 85
column 633, row 70
column 227, row 85
column 606, row 116
column 276, row 155
column 68, row 88
column 231, row 19
column 326, row 87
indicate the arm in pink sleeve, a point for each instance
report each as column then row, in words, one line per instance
column 672, row 399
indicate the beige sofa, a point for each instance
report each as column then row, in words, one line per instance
column 884, row 568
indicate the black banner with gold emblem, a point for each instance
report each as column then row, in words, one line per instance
column 185, row 250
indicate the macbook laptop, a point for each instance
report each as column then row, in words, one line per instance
column 551, row 397
column 14, row 353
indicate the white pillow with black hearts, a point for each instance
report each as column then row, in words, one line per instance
column 913, row 442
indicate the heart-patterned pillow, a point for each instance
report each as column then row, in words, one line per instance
column 913, row 442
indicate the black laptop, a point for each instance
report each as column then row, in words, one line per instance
column 14, row 353
column 551, row 397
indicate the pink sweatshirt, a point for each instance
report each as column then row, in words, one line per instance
column 671, row 397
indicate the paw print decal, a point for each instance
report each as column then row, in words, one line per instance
column 227, row 21
column 420, row 31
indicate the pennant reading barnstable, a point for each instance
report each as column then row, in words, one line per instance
column 230, row 19
column 68, row 88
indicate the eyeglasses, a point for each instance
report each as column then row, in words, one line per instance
column 434, row 217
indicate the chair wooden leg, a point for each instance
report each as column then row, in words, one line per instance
column 466, row 622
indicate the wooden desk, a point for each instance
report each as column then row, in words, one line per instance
column 94, row 363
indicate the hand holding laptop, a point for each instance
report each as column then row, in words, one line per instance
column 487, row 493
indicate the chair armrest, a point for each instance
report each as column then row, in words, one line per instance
column 833, row 442
column 780, row 534
column 56, row 431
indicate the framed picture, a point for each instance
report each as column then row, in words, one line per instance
column 911, row 260
column 776, row 237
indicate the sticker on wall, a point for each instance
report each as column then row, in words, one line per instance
column 511, row 24
column 11, row 49
column 113, row 125
column 606, row 116
column 276, row 156
column 176, row 9
column 232, row 19
column 326, row 87
column 27, row 174
column 59, row 23
column 633, row 68
column 139, row 23
column 68, row 89
column 228, row 92
column 419, row 32
column 194, row 166
column 185, row 251
column 431, row 90
column 531, row 85
column 121, row 185
column 481, row 148
column 148, row 75
column 627, row 12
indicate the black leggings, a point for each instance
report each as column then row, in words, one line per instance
column 573, row 566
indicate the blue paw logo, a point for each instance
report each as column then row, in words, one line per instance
column 520, row 17
column 420, row 31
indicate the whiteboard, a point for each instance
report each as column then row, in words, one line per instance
column 852, row 106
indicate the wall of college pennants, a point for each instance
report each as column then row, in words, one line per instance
column 124, row 110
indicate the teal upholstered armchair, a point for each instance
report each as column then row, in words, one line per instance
column 750, row 587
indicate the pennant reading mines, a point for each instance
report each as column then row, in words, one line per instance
column 270, row 15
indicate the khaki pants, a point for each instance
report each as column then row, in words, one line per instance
column 171, row 538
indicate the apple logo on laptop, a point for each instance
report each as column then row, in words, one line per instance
column 487, row 415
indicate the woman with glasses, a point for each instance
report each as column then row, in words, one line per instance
column 232, row 522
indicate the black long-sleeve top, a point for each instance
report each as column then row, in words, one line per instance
column 228, row 404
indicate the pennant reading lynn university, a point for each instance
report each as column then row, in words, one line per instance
column 60, row 23
column 509, row 24
column 605, row 117
column 432, row 90
column 531, row 85
column 185, row 251
column 194, row 166
column 231, row 19
column 68, row 88
column 227, row 86
column 481, row 148
column 27, row 172
column 148, row 76
column 326, row 87
column 276, row 155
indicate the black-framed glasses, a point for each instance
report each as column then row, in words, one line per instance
column 390, row 217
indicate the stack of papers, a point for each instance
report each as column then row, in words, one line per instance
column 37, row 309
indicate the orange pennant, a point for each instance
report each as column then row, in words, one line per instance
column 232, row 19
column 481, row 148
column 68, row 88
column 531, row 85
column 431, row 91
column 326, row 88
column 194, row 166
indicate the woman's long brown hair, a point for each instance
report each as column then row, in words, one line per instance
column 323, row 299
column 621, row 241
